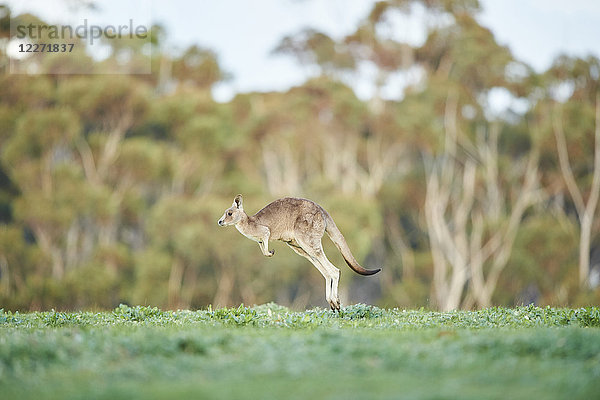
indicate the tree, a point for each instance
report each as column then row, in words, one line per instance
column 37, row 156
column 586, row 210
column 110, row 186
column 471, row 230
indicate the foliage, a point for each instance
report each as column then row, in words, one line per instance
column 111, row 185
column 276, row 316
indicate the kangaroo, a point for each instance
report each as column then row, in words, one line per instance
column 300, row 223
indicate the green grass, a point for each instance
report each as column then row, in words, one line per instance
column 270, row 352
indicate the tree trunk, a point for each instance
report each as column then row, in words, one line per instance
column 585, row 210
column 175, row 282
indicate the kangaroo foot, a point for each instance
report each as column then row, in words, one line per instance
column 334, row 304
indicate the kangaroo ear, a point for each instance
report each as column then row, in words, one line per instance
column 237, row 202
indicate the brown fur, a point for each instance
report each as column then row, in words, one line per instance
column 300, row 223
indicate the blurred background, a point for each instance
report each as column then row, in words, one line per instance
column 455, row 143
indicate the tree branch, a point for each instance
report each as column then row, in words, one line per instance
column 565, row 165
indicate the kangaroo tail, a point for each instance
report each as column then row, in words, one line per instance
column 340, row 242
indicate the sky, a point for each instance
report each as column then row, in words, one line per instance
column 243, row 33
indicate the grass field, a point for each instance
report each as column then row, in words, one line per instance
column 270, row 352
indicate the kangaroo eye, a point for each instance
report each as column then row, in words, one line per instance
column 230, row 213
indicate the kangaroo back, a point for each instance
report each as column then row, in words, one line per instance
column 340, row 242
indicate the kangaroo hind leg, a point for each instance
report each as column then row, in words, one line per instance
column 334, row 273
column 314, row 250
column 328, row 281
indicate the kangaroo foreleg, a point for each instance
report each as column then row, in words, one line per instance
column 264, row 247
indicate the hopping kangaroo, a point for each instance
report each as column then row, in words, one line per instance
column 300, row 223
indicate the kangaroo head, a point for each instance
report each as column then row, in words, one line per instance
column 233, row 214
